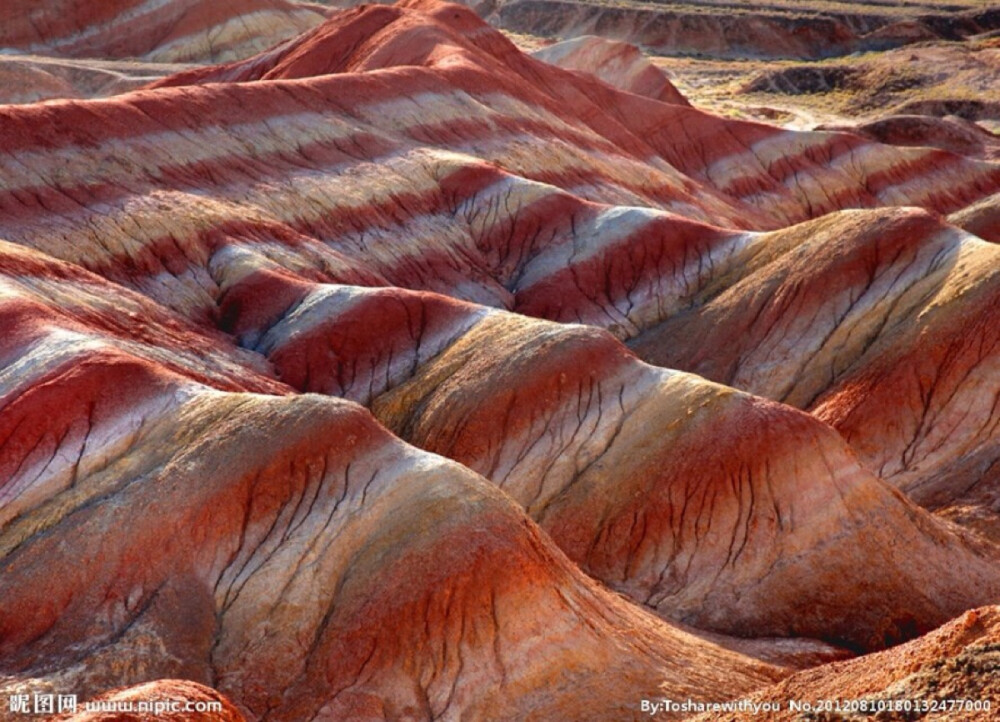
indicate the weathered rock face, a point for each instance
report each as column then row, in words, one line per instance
column 327, row 569
column 951, row 133
column 884, row 326
column 616, row 63
column 320, row 385
column 956, row 662
column 123, row 705
column 171, row 31
column 724, row 29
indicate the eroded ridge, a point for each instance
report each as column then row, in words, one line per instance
column 393, row 373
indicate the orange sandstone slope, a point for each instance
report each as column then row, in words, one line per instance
column 957, row 662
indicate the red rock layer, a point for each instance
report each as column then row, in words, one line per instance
column 268, row 520
column 174, row 30
column 360, row 209
column 811, row 174
column 718, row 509
column 618, row 64
column 885, row 327
column 42, row 299
column 540, row 409
column 560, row 419
column 360, row 177
column 327, row 570
column 166, row 692
column 943, row 670
column 286, row 169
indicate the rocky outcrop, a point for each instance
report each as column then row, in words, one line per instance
column 616, row 63
column 329, row 569
column 314, row 387
column 947, row 675
column 950, row 133
column 800, row 30
column 171, row 31
column 179, row 698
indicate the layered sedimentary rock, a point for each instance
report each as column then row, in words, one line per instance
column 205, row 282
column 787, row 176
column 615, row 460
column 329, row 569
column 884, row 326
column 719, row 528
column 290, row 165
column 949, row 674
column 173, row 695
column 171, row 31
column 725, row 29
column 951, row 133
column 616, row 63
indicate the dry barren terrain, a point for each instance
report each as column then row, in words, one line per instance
column 526, row 360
